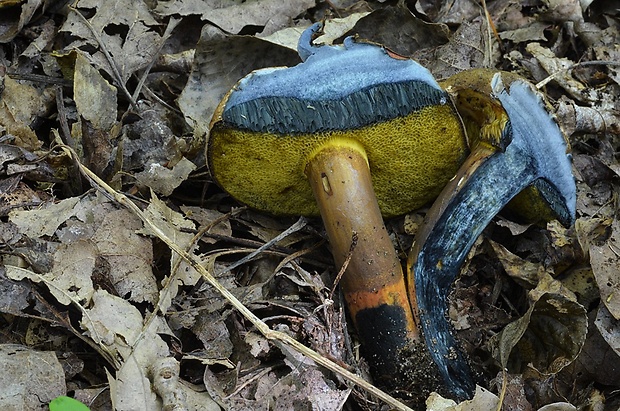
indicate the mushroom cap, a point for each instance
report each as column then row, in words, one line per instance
column 274, row 120
column 487, row 121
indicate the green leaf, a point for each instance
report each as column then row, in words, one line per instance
column 63, row 403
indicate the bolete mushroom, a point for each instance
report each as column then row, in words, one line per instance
column 353, row 133
column 517, row 147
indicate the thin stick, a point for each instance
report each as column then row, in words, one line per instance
column 345, row 264
column 301, row 223
column 553, row 76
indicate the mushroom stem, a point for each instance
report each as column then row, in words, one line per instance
column 485, row 183
column 373, row 283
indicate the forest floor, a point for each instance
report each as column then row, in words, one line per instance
column 121, row 279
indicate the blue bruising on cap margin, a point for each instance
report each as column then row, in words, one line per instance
column 336, row 88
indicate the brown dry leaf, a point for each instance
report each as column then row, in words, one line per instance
column 533, row 32
column 20, row 104
column 563, row 10
column 149, row 148
column 604, row 259
column 98, row 240
column 598, row 361
column 128, row 256
column 29, row 379
column 232, row 17
column 220, row 225
column 451, row 12
column 413, row 34
column 70, row 278
column 522, row 270
column 609, row 50
column 591, row 231
column 177, row 227
column 133, row 45
column 211, row 330
column 470, row 46
column 558, row 406
column 15, row 194
column 311, row 391
column 118, row 326
column 95, row 98
column 581, row 282
column 164, row 180
column 45, row 220
column 547, row 338
column 483, row 400
column 609, row 327
column 559, row 69
column 15, row 14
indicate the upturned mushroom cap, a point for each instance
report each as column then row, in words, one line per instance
column 275, row 119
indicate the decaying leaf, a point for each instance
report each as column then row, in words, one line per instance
column 164, row 180
column 10, row 26
column 44, row 221
column 483, row 400
column 604, row 260
column 547, row 338
column 232, row 17
column 119, row 327
column 29, row 378
column 527, row 272
column 95, row 98
column 121, row 54
column 560, row 70
column 609, row 328
column 112, row 251
column 19, row 106
column 173, row 224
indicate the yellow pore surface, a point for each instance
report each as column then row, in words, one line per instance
column 411, row 158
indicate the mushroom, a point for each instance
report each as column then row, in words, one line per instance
column 517, row 146
column 353, row 133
